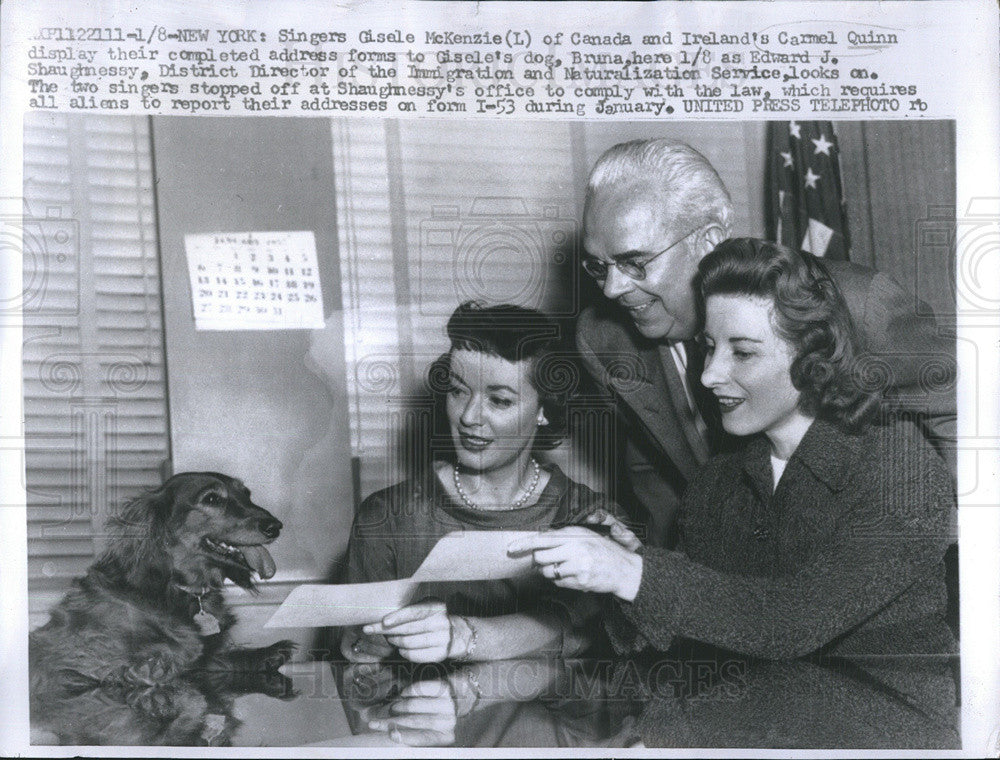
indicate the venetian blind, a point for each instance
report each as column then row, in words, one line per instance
column 433, row 213
column 93, row 364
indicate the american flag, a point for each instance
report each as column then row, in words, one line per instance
column 805, row 203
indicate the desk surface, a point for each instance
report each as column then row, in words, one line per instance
column 545, row 703
column 315, row 715
column 524, row 708
column 690, row 702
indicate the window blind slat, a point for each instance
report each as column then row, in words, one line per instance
column 401, row 292
column 94, row 389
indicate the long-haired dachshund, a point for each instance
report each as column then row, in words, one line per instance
column 137, row 651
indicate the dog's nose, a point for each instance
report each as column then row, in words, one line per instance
column 270, row 527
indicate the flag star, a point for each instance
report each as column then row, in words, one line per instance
column 811, row 178
column 822, row 145
column 794, row 127
column 787, row 157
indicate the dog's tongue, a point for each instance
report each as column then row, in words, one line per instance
column 259, row 559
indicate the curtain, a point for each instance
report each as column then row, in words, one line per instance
column 899, row 187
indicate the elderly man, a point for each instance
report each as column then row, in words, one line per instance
column 653, row 209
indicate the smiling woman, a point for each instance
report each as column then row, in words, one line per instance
column 819, row 539
column 502, row 407
column 501, row 386
column 804, row 330
column 493, row 413
column 748, row 366
column 781, row 345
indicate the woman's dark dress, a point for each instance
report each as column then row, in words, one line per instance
column 397, row 527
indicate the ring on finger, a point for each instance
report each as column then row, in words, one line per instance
column 555, row 571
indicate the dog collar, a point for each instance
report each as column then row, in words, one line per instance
column 207, row 623
column 193, row 592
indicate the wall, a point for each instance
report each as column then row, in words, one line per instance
column 899, row 187
column 253, row 404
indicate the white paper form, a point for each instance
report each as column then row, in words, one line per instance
column 318, row 605
column 458, row 556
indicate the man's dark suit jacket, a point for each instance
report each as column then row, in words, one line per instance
column 906, row 354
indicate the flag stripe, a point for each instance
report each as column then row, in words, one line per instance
column 805, row 198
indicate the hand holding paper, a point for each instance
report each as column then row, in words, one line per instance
column 458, row 556
column 422, row 632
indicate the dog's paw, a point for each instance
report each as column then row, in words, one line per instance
column 276, row 685
column 264, row 659
column 271, row 683
column 276, row 655
column 156, row 702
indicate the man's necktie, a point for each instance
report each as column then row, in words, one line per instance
column 704, row 399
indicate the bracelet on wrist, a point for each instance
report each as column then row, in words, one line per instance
column 473, row 680
column 470, row 647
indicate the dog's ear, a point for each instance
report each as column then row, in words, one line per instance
column 160, row 501
column 149, row 510
column 138, row 536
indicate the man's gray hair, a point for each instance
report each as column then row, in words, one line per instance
column 684, row 178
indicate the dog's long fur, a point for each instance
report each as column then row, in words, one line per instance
column 122, row 659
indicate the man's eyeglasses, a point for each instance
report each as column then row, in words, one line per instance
column 630, row 267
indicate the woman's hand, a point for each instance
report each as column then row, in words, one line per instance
column 423, row 715
column 578, row 558
column 368, row 685
column 424, row 632
column 620, row 532
column 357, row 646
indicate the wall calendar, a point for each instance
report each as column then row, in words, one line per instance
column 254, row 280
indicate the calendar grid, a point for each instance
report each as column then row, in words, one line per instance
column 254, row 280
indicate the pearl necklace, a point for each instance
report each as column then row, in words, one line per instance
column 520, row 502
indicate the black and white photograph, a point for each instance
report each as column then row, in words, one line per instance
column 617, row 335
column 371, row 432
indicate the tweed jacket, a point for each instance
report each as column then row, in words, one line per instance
column 906, row 355
column 842, row 563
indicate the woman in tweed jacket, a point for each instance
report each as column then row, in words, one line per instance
column 809, row 587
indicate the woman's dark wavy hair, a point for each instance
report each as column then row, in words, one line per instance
column 514, row 333
column 809, row 312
